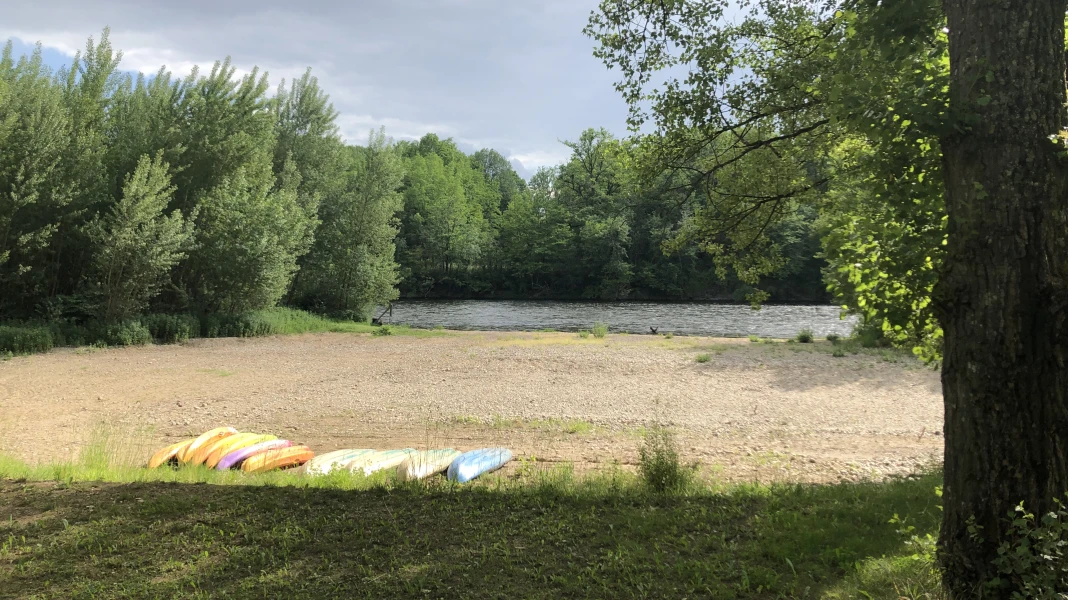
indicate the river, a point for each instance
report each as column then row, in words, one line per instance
column 726, row 320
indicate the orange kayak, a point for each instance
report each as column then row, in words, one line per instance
column 167, row 454
column 187, row 454
column 277, row 459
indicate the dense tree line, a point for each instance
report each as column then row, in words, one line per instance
column 123, row 194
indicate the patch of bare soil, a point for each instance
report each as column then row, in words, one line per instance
column 754, row 411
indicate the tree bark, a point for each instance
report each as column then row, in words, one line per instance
column 1002, row 296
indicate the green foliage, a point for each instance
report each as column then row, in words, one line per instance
column 382, row 331
column 600, row 330
column 124, row 333
column 583, row 333
column 833, row 338
column 137, row 245
column 703, row 358
column 669, row 335
column 659, row 465
column 838, row 352
column 754, row 338
column 172, row 329
column 1032, row 560
column 805, row 336
column 25, row 340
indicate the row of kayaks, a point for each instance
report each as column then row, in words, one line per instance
column 226, row 448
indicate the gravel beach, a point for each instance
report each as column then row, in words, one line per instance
column 752, row 412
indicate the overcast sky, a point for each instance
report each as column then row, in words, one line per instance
column 513, row 75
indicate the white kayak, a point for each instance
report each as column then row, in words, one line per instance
column 426, row 463
column 470, row 465
column 325, row 463
column 377, row 461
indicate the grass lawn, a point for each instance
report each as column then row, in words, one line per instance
column 540, row 534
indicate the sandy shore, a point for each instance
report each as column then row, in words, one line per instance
column 754, row 411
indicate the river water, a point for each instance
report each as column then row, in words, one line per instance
column 726, row 320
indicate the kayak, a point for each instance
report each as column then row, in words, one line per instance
column 201, row 454
column 426, row 463
column 208, row 436
column 377, row 461
column 478, row 462
column 235, row 458
column 233, row 443
column 168, row 454
column 278, row 458
column 325, row 463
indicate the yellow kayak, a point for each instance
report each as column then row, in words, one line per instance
column 377, row 461
column 426, row 463
column 234, row 442
column 208, row 436
column 166, row 454
column 277, row 459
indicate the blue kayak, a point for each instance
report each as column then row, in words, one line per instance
column 471, row 464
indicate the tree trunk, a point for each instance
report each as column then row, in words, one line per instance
column 1002, row 296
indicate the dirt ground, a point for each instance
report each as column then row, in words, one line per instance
column 753, row 411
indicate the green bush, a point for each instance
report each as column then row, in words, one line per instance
column 171, row 329
column 25, row 340
column 754, row 338
column 703, row 358
column 833, row 338
column 253, row 324
column 600, row 330
column 658, row 462
column 669, row 335
column 838, row 352
column 584, row 334
column 382, row 331
column 1033, row 561
column 127, row 333
column 804, row 336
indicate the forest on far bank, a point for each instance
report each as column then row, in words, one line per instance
column 122, row 195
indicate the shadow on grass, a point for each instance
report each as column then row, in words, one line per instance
column 506, row 541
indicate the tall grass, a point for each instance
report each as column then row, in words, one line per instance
column 29, row 338
column 600, row 330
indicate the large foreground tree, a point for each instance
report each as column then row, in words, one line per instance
column 785, row 88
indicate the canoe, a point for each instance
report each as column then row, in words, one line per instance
column 233, row 443
column 325, row 463
column 235, row 458
column 201, row 454
column 168, row 454
column 207, row 436
column 426, row 463
column 478, row 462
column 278, row 458
column 377, row 461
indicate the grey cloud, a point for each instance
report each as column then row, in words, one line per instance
column 514, row 75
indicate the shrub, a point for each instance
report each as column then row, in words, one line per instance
column 658, row 462
column 1032, row 561
column 754, row 338
column 127, row 333
column 600, row 330
column 833, row 338
column 805, row 336
column 584, row 334
column 253, row 324
column 171, row 329
column 703, row 358
column 25, row 340
column 382, row 331
column 838, row 352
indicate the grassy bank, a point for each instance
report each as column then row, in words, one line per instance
column 66, row 533
column 29, row 338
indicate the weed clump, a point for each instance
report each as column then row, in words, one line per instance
column 658, row 462
column 25, row 340
column 754, row 338
column 127, row 333
column 804, row 336
column 669, row 335
column 584, row 334
column 838, row 352
column 382, row 331
column 833, row 338
column 172, row 329
column 600, row 330
column 703, row 358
